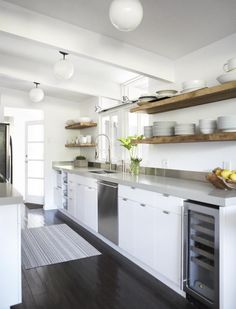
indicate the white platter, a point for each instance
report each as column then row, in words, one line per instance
column 166, row 93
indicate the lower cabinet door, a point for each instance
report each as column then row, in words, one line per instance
column 72, row 206
column 137, row 224
column 145, row 222
column 58, row 197
column 80, row 202
column 91, row 208
column 168, row 245
column 126, row 211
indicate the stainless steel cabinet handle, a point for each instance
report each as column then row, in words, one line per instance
column 143, row 205
column 106, row 185
column 166, row 195
column 166, row 212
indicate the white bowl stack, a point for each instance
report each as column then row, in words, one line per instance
column 185, row 129
column 207, row 126
column 148, row 131
column 227, row 123
column 193, row 85
column 163, row 128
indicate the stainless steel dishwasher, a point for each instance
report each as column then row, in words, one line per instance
column 108, row 210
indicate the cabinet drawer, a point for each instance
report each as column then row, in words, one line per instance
column 72, row 178
column 169, row 204
column 164, row 202
column 87, row 181
column 136, row 194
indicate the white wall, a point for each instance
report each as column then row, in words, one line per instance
column 205, row 63
column 56, row 112
column 87, row 108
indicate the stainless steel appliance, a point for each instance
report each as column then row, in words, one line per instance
column 201, row 253
column 108, row 210
column 5, row 154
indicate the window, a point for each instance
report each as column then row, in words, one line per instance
column 116, row 124
column 135, row 125
column 110, row 125
column 121, row 123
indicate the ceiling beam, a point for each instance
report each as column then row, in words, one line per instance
column 78, row 41
column 25, row 70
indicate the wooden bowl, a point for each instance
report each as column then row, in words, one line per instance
column 220, row 183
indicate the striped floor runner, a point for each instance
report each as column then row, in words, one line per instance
column 53, row 244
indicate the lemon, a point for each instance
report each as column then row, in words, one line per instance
column 233, row 177
column 226, row 173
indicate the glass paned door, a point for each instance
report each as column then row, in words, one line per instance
column 34, row 162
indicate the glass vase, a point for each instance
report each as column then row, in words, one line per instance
column 134, row 167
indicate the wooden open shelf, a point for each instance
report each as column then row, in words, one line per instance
column 199, row 97
column 81, row 125
column 215, row 137
column 79, row 145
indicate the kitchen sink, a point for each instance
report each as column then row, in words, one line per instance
column 102, row 172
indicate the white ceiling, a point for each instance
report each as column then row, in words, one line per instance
column 171, row 28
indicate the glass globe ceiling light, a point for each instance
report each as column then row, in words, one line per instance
column 126, row 15
column 64, row 69
column 36, row 94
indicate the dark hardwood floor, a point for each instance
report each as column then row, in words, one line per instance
column 108, row 281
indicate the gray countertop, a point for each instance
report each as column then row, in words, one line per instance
column 185, row 189
column 8, row 195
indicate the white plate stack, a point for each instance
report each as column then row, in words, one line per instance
column 148, row 132
column 227, row 123
column 207, row 126
column 163, row 128
column 185, row 129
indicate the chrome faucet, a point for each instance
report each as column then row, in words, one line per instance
column 108, row 159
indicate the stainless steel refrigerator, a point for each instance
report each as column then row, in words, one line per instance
column 6, row 168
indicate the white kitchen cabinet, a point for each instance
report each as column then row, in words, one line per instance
column 10, row 257
column 145, row 223
column 137, row 223
column 150, row 230
column 80, row 202
column 90, row 208
column 126, row 211
column 58, row 197
column 72, row 197
column 167, row 259
column 86, row 202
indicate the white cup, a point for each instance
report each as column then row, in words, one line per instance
column 230, row 65
column 89, row 139
column 83, row 139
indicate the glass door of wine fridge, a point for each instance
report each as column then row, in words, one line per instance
column 201, row 246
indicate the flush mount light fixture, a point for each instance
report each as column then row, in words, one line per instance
column 63, row 69
column 126, row 15
column 36, row 94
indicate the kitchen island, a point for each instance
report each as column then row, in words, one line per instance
column 10, row 246
column 151, row 223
